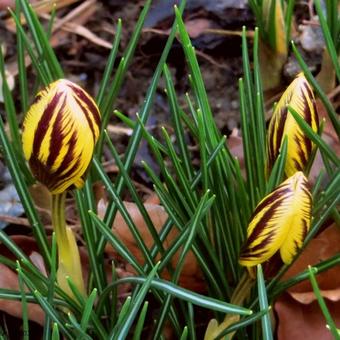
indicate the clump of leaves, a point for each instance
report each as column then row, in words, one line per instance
column 208, row 206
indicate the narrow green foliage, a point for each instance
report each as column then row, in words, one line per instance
column 323, row 97
column 140, row 323
column 114, row 87
column 329, row 30
column 125, row 214
column 135, row 197
column 15, row 138
column 116, row 243
column 320, row 267
column 45, row 52
column 253, row 123
column 25, row 326
column 184, row 335
column 51, row 286
column 267, row 20
column 55, row 332
column 97, row 270
column 267, row 332
column 135, row 139
column 208, row 202
column 330, row 323
column 21, row 64
column 323, row 146
column 109, row 67
column 277, row 173
column 186, row 295
column 242, row 324
column 75, row 327
column 137, row 301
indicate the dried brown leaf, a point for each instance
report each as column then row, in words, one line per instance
column 235, row 145
column 191, row 276
column 196, row 27
column 324, row 246
column 298, row 321
column 9, row 280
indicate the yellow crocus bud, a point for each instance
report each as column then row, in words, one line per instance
column 60, row 131
column 299, row 96
column 279, row 223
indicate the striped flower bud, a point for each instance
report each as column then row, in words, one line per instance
column 280, row 222
column 60, row 131
column 299, row 96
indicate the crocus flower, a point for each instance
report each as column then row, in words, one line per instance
column 299, row 96
column 60, row 131
column 279, row 223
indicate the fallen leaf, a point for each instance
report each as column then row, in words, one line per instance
column 10, row 82
column 326, row 77
column 329, row 136
column 9, row 280
column 299, row 315
column 235, row 145
column 298, row 321
column 196, row 27
column 4, row 4
column 321, row 248
column 191, row 276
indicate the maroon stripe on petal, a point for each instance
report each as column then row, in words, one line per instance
column 40, row 171
column 315, row 113
column 281, row 125
column 303, row 157
column 309, row 91
column 308, row 118
column 262, row 223
column 271, row 151
column 89, row 103
column 57, row 136
column 60, row 180
column 44, row 123
column 37, row 97
column 277, row 194
column 249, row 255
column 305, row 229
column 69, row 154
column 89, row 121
column 257, row 251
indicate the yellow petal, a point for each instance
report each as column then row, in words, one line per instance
column 299, row 96
column 60, row 131
column 280, row 223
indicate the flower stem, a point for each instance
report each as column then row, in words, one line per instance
column 69, row 265
column 241, row 293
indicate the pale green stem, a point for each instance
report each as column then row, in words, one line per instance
column 58, row 221
column 241, row 293
column 68, row 253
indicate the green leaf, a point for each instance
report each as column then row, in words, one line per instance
column 140, row 323
column 186, row 295
column 330, row 322
column 137, row 301
column 328, row 105
column 323, row 146
column 267, row 332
